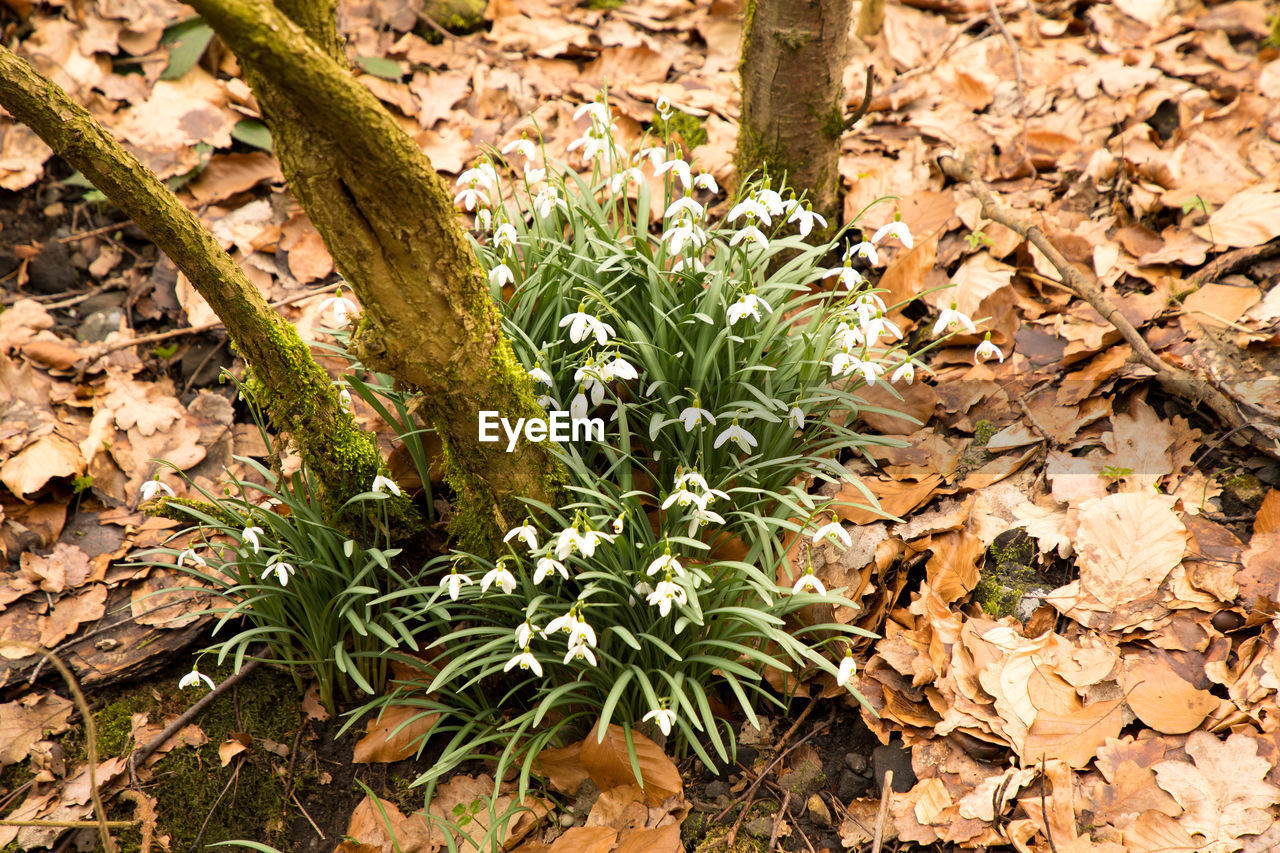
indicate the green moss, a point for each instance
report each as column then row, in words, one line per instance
column 792, row 40
column 691, row 129
column 605, row 4
column 743, row 843
column 982, row 432
column 12, row 778
column 999, row 591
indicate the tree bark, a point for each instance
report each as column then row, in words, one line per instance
column 300, row 399
column 388, row 220
column 793, row 57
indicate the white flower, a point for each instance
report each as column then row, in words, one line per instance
column 806, row 218
column 484, row 218
column 898, row 230
column 691, row 264
column 987, row 350
column 282, row 570
column 848, row 276
column 193, row 678
column 619, row 523
column 341, row 306
column 809, row 580
column 344, row 397
column 868, row 368
column 851, row 337
column 834, row 533
column 878, row 327
column 482, row 174
column 504, row 236
column 701, row 517
column 250, row 535
column 664, row 593
column 151, row 488
column 525, row 533
column 537, row 374
column 524, row 147
column 619, row 368
column 684, row 497
column 752, row 233
column 656, row 156
column 693, row 416
column 749, row 207
column 906, row 370
column 666, row 563
column 580, row 633
column 588, row 541
column 584, row 324
column 501, row 576
column 664, row 717
column 680, row 169
column 593, row 143
column 684, row 231
column 736, row 433
column 453, row 582
column 524, row 633
column 864, row 250
column 385, row 484
column 469, row 198
column 706, row 182
column 664, row 107
column 867, row 304
column 567, row 542
column 501, row 275
column 686, row 205
column 747, row 305
column 547, row 402
column 580, row 651
column 546, row 567
column 847, row 668
column 196, row 559
column 772, row 202
column 547, row 200
column 524, row 660
column 598, row 111
column 533, row 175
column 692, row 478
column 797, row 417
column 578, row 407
column 620, row 180
column 950, row 319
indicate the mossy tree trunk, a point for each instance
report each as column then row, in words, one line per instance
column 300, row 399
column 388, row 220
column 793, row 57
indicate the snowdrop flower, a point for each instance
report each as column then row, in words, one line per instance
column 590, row 380
column 620, row 180
column 806, row 218
column 588, row 541
column 664, row 718
column 869, row 369
column 772, row 202
column 344, row 397
column 525, row 533
column 505, row 236
column 580, row 651
column 847, row 668
column 385, row 484
column 578, row 407
column 702, row 517
column 906, row 370
column 196, row 559
column 524, row 660
column 547, row 567
column 847, row 276
column 680, row 169
column 686, row 205
column 987, row 350
column 481, row 174
column 752, row 233
column 751, row 208
column 341, row 306
column 618, row 523
column 694, row 415
column 666, row 592
column 547, row 402
column 878, row 327
column 706, row 182
column 797, row 417
column 664, row 108
column 501, row 576
column 454, row 582
column 691, row 264
column 567, row 542
column 524, row 633
column 834, row 533
column 736, row 433
column 656, row 157
column 282, row 571
column 472, row 182
column 593, row 143
column 582, row 324
column 533, row 175
column 685, row 231
column 684, row 497
column 868, row 303
column 864, row 250
column 950, row 319
column 849, row 337
column 809, row 580
column 193, row 679
column 537, row 374
column 524, row 147
column 666, row 563
column 250, row 535
column 897, row 230
column 598, row 110
column 547, row 200
column 151, row 488
column 484, row 219
column 580, row 633
column 747, row 305
column 619, row 368
column 691, row 478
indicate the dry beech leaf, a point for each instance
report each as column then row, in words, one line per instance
column 24, row 722
column 1163, row 699
column 386, row 740
column 562, row 768
column 39, row 462
column 609, row 766
column 1268, row 520
column 1155, row 832
column 586, row 839
column 665, row 839
column 1126, row 545
column 1073, row 737
column 1251, row 217
column 229, row 749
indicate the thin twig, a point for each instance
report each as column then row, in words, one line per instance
column 307, row 816
column 1044, row 811
column 886, row 789
column 142, row 806
column 1227, row 262
column 777, row 822
column 863, row 107
column 72, row 824
column 235, row 774
column 1022, row 83
column 776, row 758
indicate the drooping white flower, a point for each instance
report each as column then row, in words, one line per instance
column 664, row 594
column 906, row 370
column 666, row 563
column 547, row 567
column 691, row 478
column 385, row 484
column 897, row 230
column 524, row 147
column 748, row 305
column 701, row 517
column 987, row 350
column 664, row 718
column 752, row 234
column 738, row 434
column 684, row 232
column 593, row 143
column 687, row 206
column 578, row 407
column 797, row 417
column 750, row 208
column 694, row 415
column 193, row 678
column 344, row 397
column 848, row 666
column 588, row 541
column 680, row 169
column 878, row 327
column 537, row 374
column 470, row 198
column 454, row 583
column 524, row 660
column 847, row 276
column 341, row 306
column 504, row 236
column 690, row 264
column 501, row 576
column 806, row 219
column 484, row 219
column 706, row 182
column 598, row 110
column 772, row 201
column 524, row 633
column 547, row 200
column 283, row 571
column 151, row 488
column 684, row 497
column 865, row 250
column 193, row 557
column 618, row 523
column 482, row 174
column 582, row 652
column 950, row 319
column 501, row 275
column 664, row 107
column 567, row 542
column 869, row 369
column 809, row 580
column 582, row 324
column 526, row 533
column 834, row 533
column 626, row 176
column 580, row 633
column 656, row 156
column 250, row 535
column 618, row 368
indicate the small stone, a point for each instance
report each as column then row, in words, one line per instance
column 1030, row 602
column 855, row 761
column 716, row 788
column 567, row 820
column 818, row 811
column 852, row 785
column 98, row 325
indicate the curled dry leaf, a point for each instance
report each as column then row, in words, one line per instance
column 607, row 762
column 393, row 735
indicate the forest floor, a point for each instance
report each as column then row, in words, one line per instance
column 1079, row 650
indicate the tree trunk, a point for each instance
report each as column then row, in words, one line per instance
column 299, row 398
column 388, row 220
column 793, row 58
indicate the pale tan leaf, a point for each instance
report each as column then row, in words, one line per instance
column 1162, row 698
column 44, row 459
column 562, row 768
column 1251, row 217
column 1073, row 737
column 1126, row 545
column 665, row 839
column 25, row 721
column 586, row 839
column 608, row 764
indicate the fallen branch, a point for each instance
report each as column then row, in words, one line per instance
column 1263, row 437
column 1227, row 262
column 882, row 816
